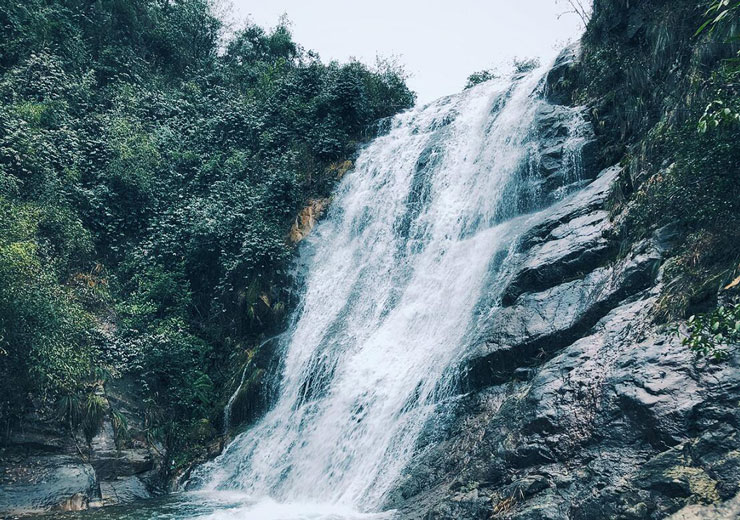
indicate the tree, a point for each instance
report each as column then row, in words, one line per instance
column 149, row 176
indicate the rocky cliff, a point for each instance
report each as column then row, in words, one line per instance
column 578, row 403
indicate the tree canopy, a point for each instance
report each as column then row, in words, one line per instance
column 149, row 173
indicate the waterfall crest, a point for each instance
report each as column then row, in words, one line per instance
column 416, row 238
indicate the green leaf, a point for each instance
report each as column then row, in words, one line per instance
column 702, row 27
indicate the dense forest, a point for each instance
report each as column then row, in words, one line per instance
column 151, row 166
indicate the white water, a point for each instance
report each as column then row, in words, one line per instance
column 394, row 275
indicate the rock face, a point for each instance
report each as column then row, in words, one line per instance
column 563, row 74
column 307, row 219
column 574, row 404
column 44, row 483
column 730, row 509
column 44, row 468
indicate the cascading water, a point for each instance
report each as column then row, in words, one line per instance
column 396, row 274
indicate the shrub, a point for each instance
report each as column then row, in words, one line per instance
column 479, row 77
column 43, row 330
column 712, row 334
column 524, row 65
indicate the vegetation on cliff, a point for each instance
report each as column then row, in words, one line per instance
column 150, row 169
column 662, row 78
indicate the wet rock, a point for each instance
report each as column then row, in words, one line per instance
column 716, row 451
column 124, row 463
column 543, row 310
column 123, row 490
column 670, row 473
column 656, row 392
column 530, row 486
column 549, row 510
column 570, row 428
column 591, row 199
column 109, row 461
column 572, row 248
column 37, row 435
column 45, row 468
column 562, row 77
column 552, row 122
column 46, row 483
column 472, row 507
column 307, row 219
column 576, row 405
column 728, row 510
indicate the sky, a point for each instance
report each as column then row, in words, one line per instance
column 440, row 42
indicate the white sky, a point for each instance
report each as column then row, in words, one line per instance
column 440, row 42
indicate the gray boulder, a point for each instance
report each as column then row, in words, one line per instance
column 46, row 483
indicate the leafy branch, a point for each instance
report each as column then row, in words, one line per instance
column 717, row 12
column 711, row 334
column 717, row 112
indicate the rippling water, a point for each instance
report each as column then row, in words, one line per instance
column 218, row 506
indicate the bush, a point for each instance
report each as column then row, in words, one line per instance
column 480, row 77
column 44, row 346
column 712, row 334
column 524, row 65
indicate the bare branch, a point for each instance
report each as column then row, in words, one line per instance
column 581, row 8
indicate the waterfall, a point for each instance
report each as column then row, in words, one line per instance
column 414, row 241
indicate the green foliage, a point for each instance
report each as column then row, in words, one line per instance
column 717, row 114
column 95, row 408
column 724, row 109
column 479, row 77
column 149, row 175
column 120, row 428
column 652, row 82
column 83, row 410
column 712, row 334
column 699, row 189
column 42, row 328
column 719, row 11
column 172, row 369
column 519, row 66
column 637, row 65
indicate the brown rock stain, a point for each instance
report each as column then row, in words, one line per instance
column 307, row 219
